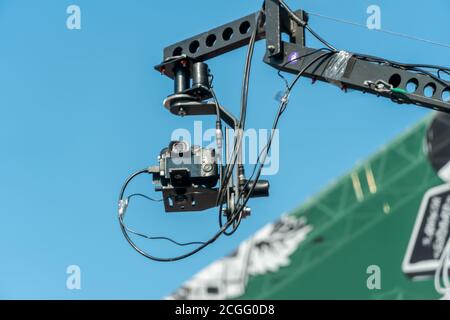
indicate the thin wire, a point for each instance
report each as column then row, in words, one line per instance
column 163, row 238
column 282, row 107
column 244, row 98
column 288, row 86
column 280, row 74
column 411, row 67
column 147, row 255
column 394, row 33
column 305, row 25
column 316, row 35
column 218, row 121
column 154, row 237
column 144, row 196
column 191, row 253
column 216, row 101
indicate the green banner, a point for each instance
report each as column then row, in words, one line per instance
column 379, row 232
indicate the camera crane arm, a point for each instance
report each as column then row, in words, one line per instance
column 364, row 73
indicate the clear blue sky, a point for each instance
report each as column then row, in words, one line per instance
column 82, row 109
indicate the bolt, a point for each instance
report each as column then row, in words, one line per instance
column 207, row 167
column 181, row 112
column 271, row 48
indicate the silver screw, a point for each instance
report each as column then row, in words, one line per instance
column 271, row 48
column 207, row 167
column 181, row 112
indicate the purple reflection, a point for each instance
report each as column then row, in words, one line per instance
column 293, row 57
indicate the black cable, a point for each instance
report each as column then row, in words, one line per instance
column 236, row 224
column 247, row 71
column 245, row 83
column 127, row 182
column 305, row 25
column 411, row 67
column 145, row 254
column 219, row 119
column 219, row 127
column 162, row 238
column 444, row 71
column 230, row 168
column 216, row 101
column 259, row 156
column 320, row 38
column 296, row 59
column 153, row 237
column 244, row 99
column 181, row 257
column 400, row 64
column 144, row 196
column 287, row 92
column 282, row 107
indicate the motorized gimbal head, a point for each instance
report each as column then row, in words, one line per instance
column 197, row 167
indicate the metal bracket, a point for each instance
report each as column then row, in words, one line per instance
column 186, row 105
column 273, row 38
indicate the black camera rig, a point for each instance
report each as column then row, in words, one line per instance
column 187, row 176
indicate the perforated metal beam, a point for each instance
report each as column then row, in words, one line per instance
column 216, row 41
column 237, row 34
column 359, row 71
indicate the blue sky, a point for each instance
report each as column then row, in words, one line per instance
column 81, row 109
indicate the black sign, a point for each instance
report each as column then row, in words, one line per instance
column 430, row 234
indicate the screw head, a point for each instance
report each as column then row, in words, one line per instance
column 207, row 167
column 181, row 112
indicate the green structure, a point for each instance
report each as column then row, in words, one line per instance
column 351, row 241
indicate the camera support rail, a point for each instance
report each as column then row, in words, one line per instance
column 358, row 73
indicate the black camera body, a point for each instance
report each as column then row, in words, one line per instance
column 184, row 166
column 187, row 177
